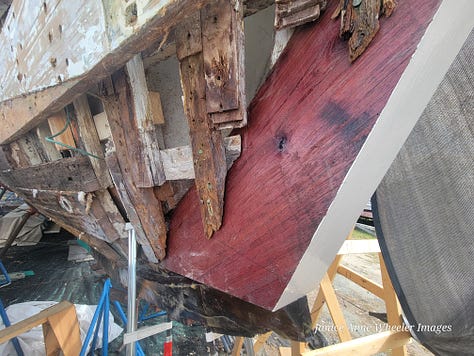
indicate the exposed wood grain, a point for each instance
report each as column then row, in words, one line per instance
column 57, row 122
column 221, row 31
column 65, row 327
column 43, row 131
column 62, row 321
column 207, row 143
column 144, row 210
column 154, row 100
column 178, row 161
column 113, row 45
column 65, row 174
column 80, row 210
column 90, row 140
column 366, row 25
column 308, row 123
column 292, row 13
column 148, row 171
column 365, row 346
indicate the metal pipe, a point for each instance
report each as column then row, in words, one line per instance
column 131, row 309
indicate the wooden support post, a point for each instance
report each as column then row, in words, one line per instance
column 207, row 143
column 15, row 232
column 297, row 348
column 365, row 346
column 43, row 131
column 319, row 302
column 144, row 210
column 335, row 309
column 60, row 329
column 238, row 343
column 149, row 169
column 394, row 310
column 90, row 140
column 261, row 340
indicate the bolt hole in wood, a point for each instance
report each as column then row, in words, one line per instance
column 67, row 62
column 282, row 140
column 65, row 204
column 45, row 7
column 50, row 37
column 60, row 29
column 19, row 77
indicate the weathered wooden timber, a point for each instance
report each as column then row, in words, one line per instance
column 311, row 119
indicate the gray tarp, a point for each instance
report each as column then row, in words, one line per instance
column 424, row 216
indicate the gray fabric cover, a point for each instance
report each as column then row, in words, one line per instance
column 424, row 215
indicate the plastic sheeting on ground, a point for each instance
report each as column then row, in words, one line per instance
column 29, row 235
column 32, row 342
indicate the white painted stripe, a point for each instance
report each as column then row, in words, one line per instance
column 143, row 333
column 436, row 51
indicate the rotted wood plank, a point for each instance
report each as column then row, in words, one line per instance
column 81, row 210
column 144, row 210
column 222, row 31
column 72, row 174
column 63, row 72
column 207, row 143
column 148, row 170
column 366, row 26
column 292, row 13
column 25, row 152
column 223, row 54
column 90, row 140
column 43, row 131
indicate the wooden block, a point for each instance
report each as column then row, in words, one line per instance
column 155, row 106
column 102, row 126
column 297, row 348
column 57, row 122
column 301, row 13
column 178, row 161
column 51, row 343
column 65, row 327
column 33, row 321
column 365, row 346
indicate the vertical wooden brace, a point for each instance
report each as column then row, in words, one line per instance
column 207, row 143
column 149, row 170
column 57, row 122
column 90, row 139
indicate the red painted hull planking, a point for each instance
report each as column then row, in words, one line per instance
column 306, row 126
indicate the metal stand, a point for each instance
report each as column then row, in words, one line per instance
column 132, row 274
